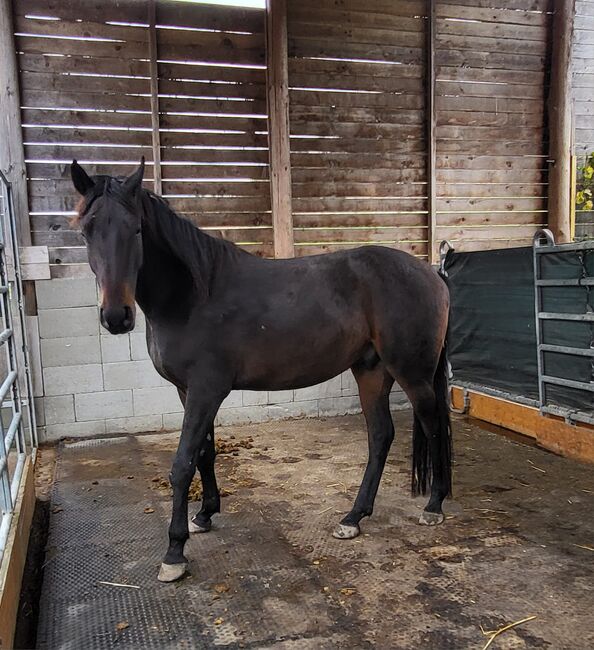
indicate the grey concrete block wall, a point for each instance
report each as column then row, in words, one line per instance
column 98, row 384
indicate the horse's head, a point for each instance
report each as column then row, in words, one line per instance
column 110, row 222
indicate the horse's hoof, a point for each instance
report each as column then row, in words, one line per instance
column 431, row 518
column 172, row 572
column 196, row 528
column 344, row 531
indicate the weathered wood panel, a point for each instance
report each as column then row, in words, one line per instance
column 491, row 132
column 86, row 93
column 358, row 141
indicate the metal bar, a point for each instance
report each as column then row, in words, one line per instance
column 496, row 392
column 547, row 315
column 578, row 282
column 565, row 248
column 569, row 383
column 3, row 289
column 564, row 349
column 15, row 484
column 537, row 307
column 4, row 528
column 12, row 375
column 9, row 436
column 572, row 416
column 5, row 335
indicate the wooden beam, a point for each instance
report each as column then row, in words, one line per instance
column 551, row 433
column 12, row 156
column 433, row 256
column 277, row 92
column 155, row 122
column 560, row 122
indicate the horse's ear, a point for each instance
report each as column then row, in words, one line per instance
column 133, row 182
column 81, row 180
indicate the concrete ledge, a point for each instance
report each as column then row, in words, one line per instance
column 15, row 554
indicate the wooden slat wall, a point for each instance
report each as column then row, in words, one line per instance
column 491, row 125
column 583, row 92
column 85, row 84
column 357, row 124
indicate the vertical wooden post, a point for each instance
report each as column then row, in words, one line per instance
column 560, row 122
column 155, row 124
column 277, row 95
column 431, row 143
column 12, row 155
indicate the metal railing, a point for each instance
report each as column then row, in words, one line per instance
column 18, row 435
column 544, row 244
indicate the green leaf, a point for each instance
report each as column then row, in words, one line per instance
column 588, row 205
column 579, row 197
column 588, row 172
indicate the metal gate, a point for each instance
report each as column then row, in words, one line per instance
column 570, row 273
column 18, row 435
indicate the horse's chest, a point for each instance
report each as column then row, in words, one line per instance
column 161, row 352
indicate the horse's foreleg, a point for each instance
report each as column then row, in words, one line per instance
column 211, row 502
column 199, row 415
column 374, row 391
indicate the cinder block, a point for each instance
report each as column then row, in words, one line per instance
column 303, row 409
column 156, row 401
column 242, row 415
column 70, row 351
column 232, row 400
column 39, row 411
column 63, row 323
column 66, row 292
column 115, row 348
column 348, row 383
column 142, row 424
column 254, row 397
column 74, row 430
column 138, row 349
column 173, row 421
column 59, row 410
column 131, row 374
column 331, row 388
column 106, row 405
column 330, row 406
column 73, row 379
column 280, row 396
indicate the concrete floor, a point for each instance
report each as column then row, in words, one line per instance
column 518, row 542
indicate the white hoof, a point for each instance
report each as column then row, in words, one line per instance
column 172, row 572
column 343, row 531
column 431, row 518
column 195, row 528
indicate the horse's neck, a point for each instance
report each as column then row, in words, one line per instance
column 174, row 276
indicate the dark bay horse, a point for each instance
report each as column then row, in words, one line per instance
column 220, row 319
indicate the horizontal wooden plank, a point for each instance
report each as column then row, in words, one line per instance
column 455, row 233
column 486, row 104
column 386, row 234
column 361, row 82
column 338, row 160
column 354, row 34
column 478, row 133
column 316, row 68
column 490, row 205
column 87, row 136
column 86, row 119
column 488, row 162
column 76, row 10
column 476, row 28
column 448, row 56
column 357, row 130
column 67, row 152
column 326, row 190
column 491, row 15
column 472, row 89
column 221, row 204
column 493, row 190
column 334, row 175
column 491, row 45
column 494, row 148
column 355, row 100
column 206, row 72
column 326, row 14
column 541, row 6
column 359, row 145
column 227, row 18
column 83, row 65
column 351, row 220
column 332, row 204
column 212, row 89
column 471, row 74
column 82, row 100
column 404, row 8
column 534, row 219
column 350, row 115
column 466, row 246
column 483, row 118
column 315, row 47
column 418, row 249
column 172, row 104
column 489, row 176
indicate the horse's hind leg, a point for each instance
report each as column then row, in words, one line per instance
column 211, row 502
column 374, row 391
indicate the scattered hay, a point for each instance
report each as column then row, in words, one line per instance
column 493, row 634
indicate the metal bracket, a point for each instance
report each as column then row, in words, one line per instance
column 543, row 233
column 444, row 248
column 465, row 403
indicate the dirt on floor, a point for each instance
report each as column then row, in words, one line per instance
column 517, row 543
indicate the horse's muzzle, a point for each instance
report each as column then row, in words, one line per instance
column 117, row 320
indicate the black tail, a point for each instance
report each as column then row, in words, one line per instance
column 421, row 459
